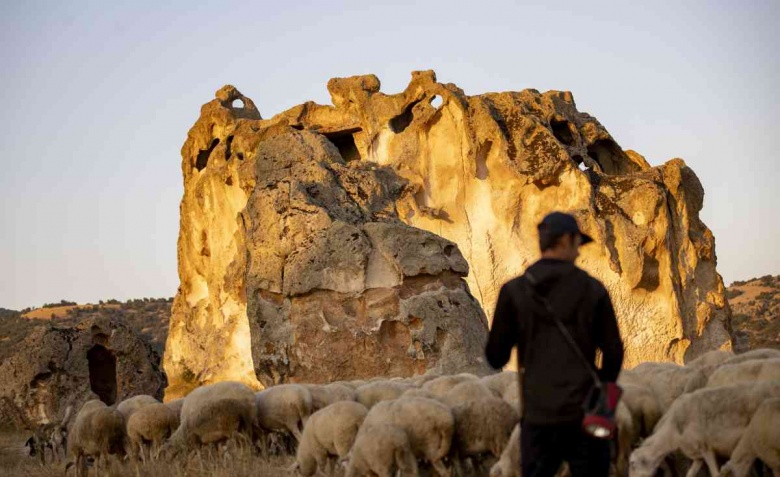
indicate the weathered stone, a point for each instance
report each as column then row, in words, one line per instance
column 479, row 171
column 59, row 366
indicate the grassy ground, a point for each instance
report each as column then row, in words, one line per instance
column 14, row 461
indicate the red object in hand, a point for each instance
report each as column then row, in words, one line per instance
column 599, row 420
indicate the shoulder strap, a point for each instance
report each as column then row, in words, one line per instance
column 531, row 280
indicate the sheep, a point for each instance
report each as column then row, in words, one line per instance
column 502, row 383
column 175, row 406
column 668, row 381
column 212, row 414
column 465, row 392
column 331, row 431
column 52, row 435
column 746, row 371
column 627, row 435
column 148, row 428
column 98, row 431
column 760, row 353
column 325, row 395
column 710, row 359
column 283, row 408
column 508, row 464
column 371, row 393
column 439, row 386
column 643, row 406
column 428, row 423
column 760, row 440
column 132, row 404
column 702, row 424
column 418, row 392
column 381, row 449
column 482, row 426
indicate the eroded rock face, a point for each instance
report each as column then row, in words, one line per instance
column 58, row 366
column 479, row 171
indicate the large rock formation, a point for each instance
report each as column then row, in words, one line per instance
column 56, row 366
column 479, row 171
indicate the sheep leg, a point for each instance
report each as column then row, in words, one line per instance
column 694, row 469
column 712, row 463
column 440, row 469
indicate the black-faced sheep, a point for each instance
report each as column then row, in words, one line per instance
column 329, row 434
column 381, row 450
column 703, row 424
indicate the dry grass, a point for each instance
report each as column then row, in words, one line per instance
column 240, row 462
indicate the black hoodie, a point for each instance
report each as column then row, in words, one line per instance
column 555, row 381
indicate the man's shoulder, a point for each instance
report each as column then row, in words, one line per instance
column 598, row 287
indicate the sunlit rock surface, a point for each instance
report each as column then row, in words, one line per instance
column 264, row 198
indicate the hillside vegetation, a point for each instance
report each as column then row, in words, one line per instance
column 755, row 305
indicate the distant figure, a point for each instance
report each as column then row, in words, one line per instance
column 555, row 379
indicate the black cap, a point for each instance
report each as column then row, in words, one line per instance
column 558, row 223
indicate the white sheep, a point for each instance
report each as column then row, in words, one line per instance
column 627, row 435
column 502, row 383
column 702, row 425
column 467, row 391
column 213, row 414
column 761, row 440
column 667, row 381
column 643, row 406
column 381, row 450
column 99, row 432
column 175, row 406
column 746, row 371
column 482, row 426
column 441, row 385
column 509, row 463
column 374, row 392
column 148, row 428
column 283, row 408
column 323, row 395
column 132, row 404
column 710, row 359
column 418, row 392
column 428, row 423
column 329, row 433
column 760, row 353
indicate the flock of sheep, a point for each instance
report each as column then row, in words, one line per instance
column 720, row 405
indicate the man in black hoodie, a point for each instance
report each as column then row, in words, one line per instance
column 555, row 381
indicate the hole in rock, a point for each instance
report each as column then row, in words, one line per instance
column 611, row 158
column 345, row 143
column 650, row 279
column 203, row 156
column 562, row 132
column 102, row 373
column 237, row 103
column 436, row 101
column 402, row 121
column 482, row 153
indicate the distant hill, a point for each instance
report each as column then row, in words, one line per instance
column 755, row 305
column 149, row 316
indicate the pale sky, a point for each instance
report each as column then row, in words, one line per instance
column 97, row 98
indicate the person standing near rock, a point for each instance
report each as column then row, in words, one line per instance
column 558, row 316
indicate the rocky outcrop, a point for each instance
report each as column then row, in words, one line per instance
column 479, row 171
column 56, row 366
